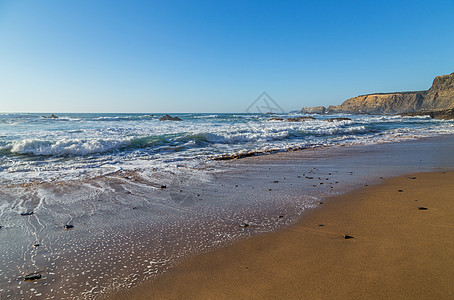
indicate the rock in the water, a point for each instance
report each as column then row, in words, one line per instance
column 346, row 236
column 444, row 114
column 29, row 213
column 338, row 119
column 169, row 118
column 32, row 276
column 296, row 119
column 244, row 225
column 52, row 116
column 313, row 110
column 36, row 245
column 163, row 186
column 300, row 119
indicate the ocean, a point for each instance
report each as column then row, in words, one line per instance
column 139, row 194
column 34, row 148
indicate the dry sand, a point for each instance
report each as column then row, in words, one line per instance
column 398, row 251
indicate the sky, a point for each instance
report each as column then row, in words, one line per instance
column 215, row 56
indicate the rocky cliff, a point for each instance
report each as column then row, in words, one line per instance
column 381, row 103
column 439, row 97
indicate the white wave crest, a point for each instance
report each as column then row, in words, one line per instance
column 66, row 146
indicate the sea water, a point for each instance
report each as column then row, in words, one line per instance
column 35, row 148
column 143, row 193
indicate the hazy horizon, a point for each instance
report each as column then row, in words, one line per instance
column 205, row 57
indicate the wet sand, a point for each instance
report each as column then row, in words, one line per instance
column 128, row 230
column 398, row 251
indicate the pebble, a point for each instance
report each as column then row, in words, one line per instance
column 26, row 213
column 32, row 277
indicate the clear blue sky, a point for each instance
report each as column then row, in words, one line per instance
column 215, row 56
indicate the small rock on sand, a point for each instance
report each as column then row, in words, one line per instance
column 346, row 236
column 422, row 208
column 32, row 276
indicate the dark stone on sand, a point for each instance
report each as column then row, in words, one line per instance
column 411, row 177
column 244, row 225
column 321, row 225
column 400, row 191
column 422, row 208
column 32, row 276
column 68, row 226
column 29, row 213
column 281, row 216
column 346, row 236
column 163, row 186
column 169, row 118
column 320, row 202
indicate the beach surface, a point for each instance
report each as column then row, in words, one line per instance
column 402, row 248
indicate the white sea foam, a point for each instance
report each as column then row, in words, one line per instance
column 65, row 146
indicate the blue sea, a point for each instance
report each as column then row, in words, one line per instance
column 36, row 148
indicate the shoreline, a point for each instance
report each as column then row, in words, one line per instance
column 155, row 228
column 397, row 251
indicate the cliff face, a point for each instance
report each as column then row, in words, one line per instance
column 381, row 103
column 439, row 96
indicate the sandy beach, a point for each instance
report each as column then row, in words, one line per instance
column 402, row 248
